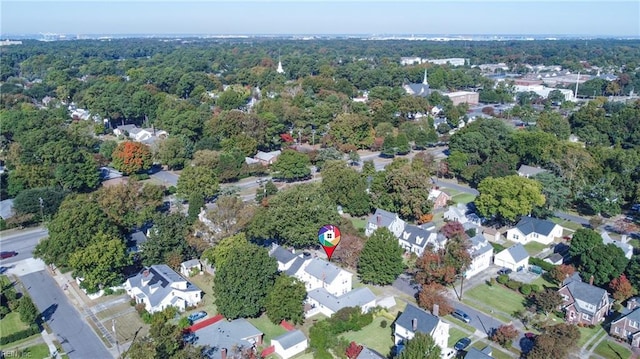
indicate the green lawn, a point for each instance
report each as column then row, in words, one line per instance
column 586, row 333
column 609, row 349
column 11, row 323
column 35, row 351
column 463, row 198
column 543, row 283
column 459, row 323
column 534, row 248
column 358, row 223
column 455, row 334
column 496, row 296
column 373, row 336
column 635, row 243
column 205, row 282
column 269, row 329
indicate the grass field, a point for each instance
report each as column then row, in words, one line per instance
column 455, row 334
column 534, row 247
column 463, row 198
column 205, row 282
column 498, row 297
column 358, row 223
column 35, row 351
column 373, row 336
column 11, row 323
column 566, row 224
column 269, row 329
column 609, row 349
column 586, row 333
column 127, row 325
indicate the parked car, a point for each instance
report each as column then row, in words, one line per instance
column 197, row 315
column 530, row 336
column 190, row 338
column 462, row 344
column 504, row 271
column 461, row 315
column 7, row 254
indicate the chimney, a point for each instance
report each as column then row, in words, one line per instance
column 145, row 273
column 414, row 324
column 436, row 310
column 223, row 353
column 378, row 220
column 591, row 280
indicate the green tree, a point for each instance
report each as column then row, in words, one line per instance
column 28, row 202
column 604, row 263
column 346, row 187
column 166, row 239
column 508, row 197
column 381, row 258
column 389, row 146
column 555, row 124
column 225, row 249
column 130, row 203
column 196, row 202
column 555, row 190
column 285, row 300
column 583, row 241
column 132, row 157
column 173, row 152
column 421, row 346
column 100, row 264
column 292, row 166
column 402, row 144
column 556, row 341
column 28, row 311
column 293, row 216
column 269, row 189
column 242, row 282
column 633, row 272
column 547, row 300
column 197, row 180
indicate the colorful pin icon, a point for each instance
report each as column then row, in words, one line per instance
column 329, row 237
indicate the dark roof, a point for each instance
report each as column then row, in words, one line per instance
column 295, row 266
column 367, row 353
column 416, row 236
column 634, row 315
column 585, row 292
column 420, row 89
column 534, row 225
column 289, row 339
column 282, row 255
column 479, row 245
column 474, row 353
column 427, row 322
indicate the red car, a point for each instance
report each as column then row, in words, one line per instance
column 7, row 254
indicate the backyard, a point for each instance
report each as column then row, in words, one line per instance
column 534, row 247
column 269, row 329
column 205, row 283
column 373, row 336
column 496, row 296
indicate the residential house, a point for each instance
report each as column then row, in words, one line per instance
column 473, row 353
column 228, row 336
column 6, row 208
column 136, row 240
column 626, row 247
column 555, row 259
column 439, row 198
column 159, row 287
column 583, row 303
column 367, row 353
column 267, row 158
column 627, row 326
column 145, row 135
column 460, row 213
column 415, row 320
column 515, row 258
column 290, row 344
column 415, row 239
column 188, row 267
column 481, row 252
column 382, row 218
column 321, row 301
column 534, row 229
column 528, row 171
column 313, row 272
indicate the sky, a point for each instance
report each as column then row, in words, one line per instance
column 216, row 17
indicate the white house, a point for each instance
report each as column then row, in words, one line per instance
column 321, row 301
column 515, row 258
column 481, row 252
column 187, row 267
column 159, row 287
column 415, row 320
column 460, row 213
column 290, row 344
column 146, row 135
column 416, row 239
column 534, row 229
column 528, row 171
column 382, row 218
column 626, row 247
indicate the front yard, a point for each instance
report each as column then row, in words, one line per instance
column 373, row 336
column 610, row 349
column 502, row 299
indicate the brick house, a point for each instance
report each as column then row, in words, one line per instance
column 627, row 326
column 583, row 303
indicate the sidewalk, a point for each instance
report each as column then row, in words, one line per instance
column 49, row 338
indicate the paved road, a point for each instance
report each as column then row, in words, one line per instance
column 572, row 218
column 21, row 241
column 455, row 186
column 78, row 340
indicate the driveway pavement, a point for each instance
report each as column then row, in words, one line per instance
column 167, row 178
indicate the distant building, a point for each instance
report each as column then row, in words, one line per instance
column 528, row 171
column 468, row 97
column 419, row 89
column 290, row 344
column 267, row 158
column 382, row 218
column 454, row 61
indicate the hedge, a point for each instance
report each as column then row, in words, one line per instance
column 541, row 263
column 6, row 339
column 514, row 285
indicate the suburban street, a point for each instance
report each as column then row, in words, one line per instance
column 78, row 340
column 21, row 241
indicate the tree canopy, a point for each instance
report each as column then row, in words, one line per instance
column 508, row 198
column 380, row 261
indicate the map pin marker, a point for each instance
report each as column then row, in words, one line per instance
column 329, row 237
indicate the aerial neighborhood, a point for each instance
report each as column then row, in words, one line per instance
column 165, row 196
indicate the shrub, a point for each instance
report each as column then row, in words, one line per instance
column 140, row 308
column 28, row 311
column 6, row 339
column 108, row 291
column 525, row 289
column 503, row 279
column 535, row 288
column 146, row 317
column 514, row 285
column 383, row 324
column 546, row 266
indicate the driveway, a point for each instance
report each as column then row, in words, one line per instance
column 166, row 178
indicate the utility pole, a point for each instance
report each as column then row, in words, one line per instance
column 41, row 210
column 115, row 336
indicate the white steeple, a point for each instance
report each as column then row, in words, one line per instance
column 424, row 81
column 280, row 70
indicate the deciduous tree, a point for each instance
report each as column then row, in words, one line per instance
column 504, row 335
column 132, row 157
column 199, row 180
column 547, row 300
column 167, row 237
column 101, row 263
column 433, row 294
column 285, row 300
column 561, row 272
column 421, row 346
column 508, row 197
column 556, row 341
column 292, row 166
column 130, row 203
column 346, row 187
column 230, row 216
column 621, row 288
column 381, row 258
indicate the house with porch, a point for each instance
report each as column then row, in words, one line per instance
column 415, row 320
column 533, row 229
column 627, row 325
column 584, row 303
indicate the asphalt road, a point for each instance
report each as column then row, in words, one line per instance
column 23, row 242
column 78, row 340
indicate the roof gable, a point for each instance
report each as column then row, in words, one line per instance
column 290, row 339
column 528, row 225
column 323, row 270
column 426, row 322
column 517, row 252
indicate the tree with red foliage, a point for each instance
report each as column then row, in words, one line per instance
column 432, row 268
column 286, row 138
column 452, row 229
column 432, row 294
column 621, row 288
column 562, row 272
column 350, row 247
column 504, row 335
column 132, row 157
column 353, row 350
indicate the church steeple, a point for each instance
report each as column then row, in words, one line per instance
column 280, row 70
column 424, row 81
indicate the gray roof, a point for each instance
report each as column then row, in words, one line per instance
column 633, row 315
column 190, row 263
column 355, row 298
column 530, row 171
column 282, row 255
column 474, row 353
column 416, row 236
column 295, row 266
column 382, row 218
column 160, row 276
column 289, row 339
column 517, row 252
column 626, row 247
column 225, row 334
column 138, row 237
column 128, row 128
column 587, row 293
column 322, row 270
column 367, row 353
column 6, row 208
column 457, row 211
column 479, row 245
column 555, row 258
column 267, row 156
column 534, row 225
column 427, row 322
column 420, row 89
